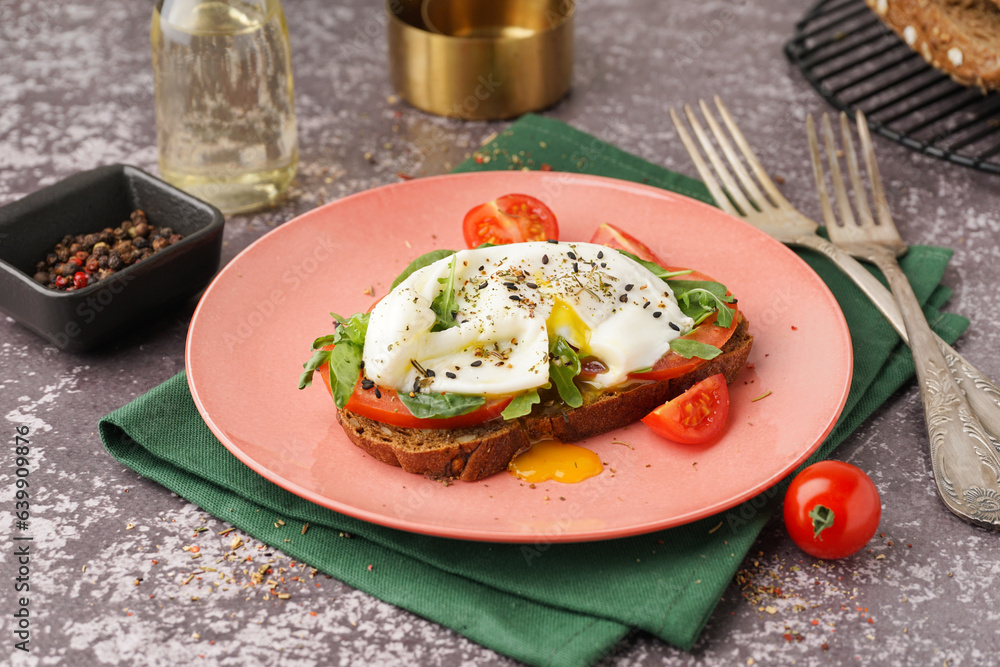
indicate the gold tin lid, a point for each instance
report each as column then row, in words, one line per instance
column 481, row 59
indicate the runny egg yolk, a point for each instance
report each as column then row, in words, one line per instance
column 551, row 459
column 564, row 321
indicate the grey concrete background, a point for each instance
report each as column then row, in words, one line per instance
column 113, row 580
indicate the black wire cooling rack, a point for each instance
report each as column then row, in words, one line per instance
column 854, row 61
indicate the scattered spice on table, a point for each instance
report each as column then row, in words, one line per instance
column 85, row 259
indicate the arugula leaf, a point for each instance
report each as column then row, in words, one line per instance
column 691, row 348
column 345, row 366
column 521, row 405
column 564, row 365
column 700, row 298
column 655, row 268
column 352, row 330
column 438, row 406
column 420, row 262
column 443, row 304
column 324, row 340
column 319, row 357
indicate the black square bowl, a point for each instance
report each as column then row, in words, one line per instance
column 85, row 203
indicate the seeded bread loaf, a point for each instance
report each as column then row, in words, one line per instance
column 479, row 451
column 958, row 37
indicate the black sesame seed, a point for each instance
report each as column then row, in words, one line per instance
column 604, row 265
column 545, row 259
column 367, row 384
column 551, row 241
column 483, row 284
column 451, row 375
column 657, row 314
column 600, row 254
column 734, row 300
column 646, row 305
column 576, row 268
column 623, row 298
column 571, row 255
column 378, row 394
column 629, row 287
column 514, row 297
column 430, row 373
column 361, row 364
column 532, row 285
column 477, row 363
column 674, row 327
column 481, row 267
column 510, row 286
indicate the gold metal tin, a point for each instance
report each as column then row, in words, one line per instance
column 481, row 59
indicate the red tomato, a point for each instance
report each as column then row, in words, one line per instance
column 390, row 410
column 696, row 416
column 509, row 219
column 613, row 237
column 832, row 509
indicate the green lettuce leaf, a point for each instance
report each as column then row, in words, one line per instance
column 521, row 405
column 419, row 263
column 318, row 358
column 444, row 305
column 433, row 405
column 700, row 298
column 692, row 348
column 345, row 366
column 564, row 365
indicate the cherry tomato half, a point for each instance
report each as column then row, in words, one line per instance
column 614, row 237
column 696, row 416
column 509, row 219
column 832, row 509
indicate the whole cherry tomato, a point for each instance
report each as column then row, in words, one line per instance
column 509, row 219
column 832, row 509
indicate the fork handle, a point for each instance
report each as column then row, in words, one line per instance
column 982, row 393
column 965, row 461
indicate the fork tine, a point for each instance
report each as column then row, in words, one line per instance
column 706, row 174
column 758, row 169
column 742, row 174
column 881, row 204
column 713, row 156
column 817, row 163
column 860, row 195
column 839, row 191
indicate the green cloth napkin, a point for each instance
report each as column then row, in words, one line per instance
column 560, row 604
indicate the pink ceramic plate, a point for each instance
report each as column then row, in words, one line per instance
column 253, row 328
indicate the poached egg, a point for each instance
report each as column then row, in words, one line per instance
column 510, row 300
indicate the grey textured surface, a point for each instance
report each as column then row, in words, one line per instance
column 111, row 579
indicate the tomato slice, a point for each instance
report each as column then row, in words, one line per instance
column 512, row 218
column 615, row 237
column 696, row 416
column 390, row 410
column 832, row 509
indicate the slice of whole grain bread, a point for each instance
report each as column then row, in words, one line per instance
column 479, row 451
column 958, row 37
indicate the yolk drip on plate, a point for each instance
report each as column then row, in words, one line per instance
column 557, row 461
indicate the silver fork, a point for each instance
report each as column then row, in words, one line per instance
column 774, row 215
column 966, row 464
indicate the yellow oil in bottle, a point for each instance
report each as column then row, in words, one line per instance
column 225, row 113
